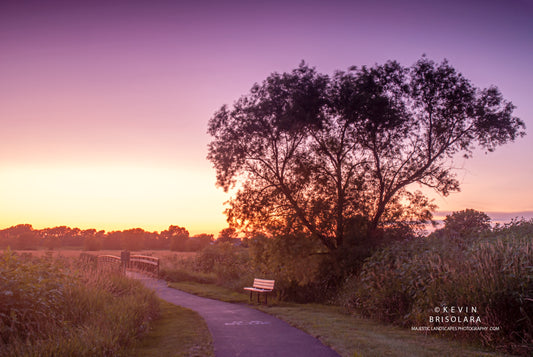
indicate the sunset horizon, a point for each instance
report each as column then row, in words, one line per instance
column 438, row 218
column 104, row 108
column 266, row 178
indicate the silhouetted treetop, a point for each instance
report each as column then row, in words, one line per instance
column 309, row 151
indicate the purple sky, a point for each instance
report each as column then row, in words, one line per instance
column 104, row 107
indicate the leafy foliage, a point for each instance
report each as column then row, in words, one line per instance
column 294, row 261
column 221, row 263
column 225, row 261
column 467, row 223
column 404, row 282
column 227, row 235
column 309, row 152
column 24, row 236
column 177, row 236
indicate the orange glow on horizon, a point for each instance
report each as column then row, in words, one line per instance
column 111, row 198
column 114, row 198
column 104, row 108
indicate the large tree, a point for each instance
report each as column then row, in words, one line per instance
column 306, row 151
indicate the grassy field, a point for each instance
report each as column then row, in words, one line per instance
column 75, row 253
column 69, row 310
column 177, row 332
column 347, row 334
column 56, row 307
column 181, row 332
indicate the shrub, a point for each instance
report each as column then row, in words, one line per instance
column 177, row 274
column 176, row 268
column 230, row 265
column 405, row 281
column 221, row 264
column 467, row 222
column 294, row 261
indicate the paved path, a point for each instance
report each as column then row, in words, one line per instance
column 238, row 330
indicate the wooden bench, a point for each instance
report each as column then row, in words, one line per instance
column 261, row 286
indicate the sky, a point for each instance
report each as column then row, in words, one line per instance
column 104, row 104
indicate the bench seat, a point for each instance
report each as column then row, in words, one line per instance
column 261, row 286
column 258, row 290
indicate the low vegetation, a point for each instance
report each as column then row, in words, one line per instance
column 408, row 282
column 178, row 332
column 346, row 333
column 489, row 273
column 51, row 307
column 222, row 264
column 465, row 265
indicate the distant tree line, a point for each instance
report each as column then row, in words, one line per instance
column 24, row 236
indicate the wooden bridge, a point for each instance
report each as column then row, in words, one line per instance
column 142, row 263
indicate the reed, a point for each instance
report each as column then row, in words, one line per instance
column 56, row 307
column 406, row 282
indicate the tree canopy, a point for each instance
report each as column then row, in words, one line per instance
column 307, row 151
column 467, row 223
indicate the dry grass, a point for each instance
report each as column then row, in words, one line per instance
column 404, row 283
column 64, row 309
column 75, row 253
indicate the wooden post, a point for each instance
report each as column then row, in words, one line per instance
column 125, row 260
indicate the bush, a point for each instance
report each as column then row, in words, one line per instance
column 403, row 283
column 230, row 265
column 221, row 264
column 294, row 261
column 303, row 271
column 467, row 223
column 178, row 274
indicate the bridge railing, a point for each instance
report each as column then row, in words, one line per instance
column 143, row 263
column 108, row 262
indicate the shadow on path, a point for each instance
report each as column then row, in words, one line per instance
column 238, row 330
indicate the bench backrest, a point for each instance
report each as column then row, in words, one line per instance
column 264, row 284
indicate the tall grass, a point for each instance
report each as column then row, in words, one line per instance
column 405, row 282
column 220, row 264
column 289, row 261
column 54, row 307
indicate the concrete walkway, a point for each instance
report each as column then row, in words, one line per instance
column 238, row 330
